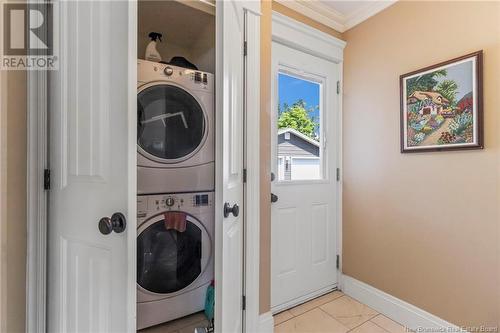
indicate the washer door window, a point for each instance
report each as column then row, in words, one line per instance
column 171, row 123
column 169, row 260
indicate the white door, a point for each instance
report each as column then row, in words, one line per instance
column 231, row 24
column 304, row 161
column 92, row 120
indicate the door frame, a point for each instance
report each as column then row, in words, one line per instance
column 3, row 200
column 302, row 37
column 37, row 196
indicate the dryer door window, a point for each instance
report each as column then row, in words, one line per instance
column 168, row 260
column 171, row 123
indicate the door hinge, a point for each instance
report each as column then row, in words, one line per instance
column 338, row 174
column 245, row 48
column 46, row 179
column 244, row 302
column 338, row 261
column 338, row 87
column 244, row 175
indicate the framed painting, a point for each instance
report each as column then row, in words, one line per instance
column 442, row 106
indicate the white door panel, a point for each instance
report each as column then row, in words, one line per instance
column 231, row 29
column 303, row 234
column 92, row 170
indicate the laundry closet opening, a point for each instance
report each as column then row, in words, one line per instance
column 175, row 164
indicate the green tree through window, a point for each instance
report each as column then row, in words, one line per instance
column 298, row 117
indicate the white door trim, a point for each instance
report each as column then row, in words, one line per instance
column 36, row 202
column 3, row 200
column 37, row 162
column 297, row 35
column 132, row 160
column 251, row 209
column 302, row 37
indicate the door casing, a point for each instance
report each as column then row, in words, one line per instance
column 302, row 37
column 37, row 161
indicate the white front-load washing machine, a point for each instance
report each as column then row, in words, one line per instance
column 174, row 268
column 175, row 129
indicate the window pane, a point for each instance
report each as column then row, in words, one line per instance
column 299, row 129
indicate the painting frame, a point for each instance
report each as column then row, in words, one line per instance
column 476, row 113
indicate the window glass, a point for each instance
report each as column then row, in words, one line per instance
column 168, row 260
column 171, row 123
column 299, row 129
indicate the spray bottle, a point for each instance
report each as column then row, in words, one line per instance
column 152, row 53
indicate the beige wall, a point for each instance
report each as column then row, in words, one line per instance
column 13, row 191
column 422, row 227
column 265, row 153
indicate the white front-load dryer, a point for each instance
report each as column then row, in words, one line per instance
column 175, row 129
column 174, row 269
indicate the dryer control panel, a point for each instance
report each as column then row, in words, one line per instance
column 148, row 71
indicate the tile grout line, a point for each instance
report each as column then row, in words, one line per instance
column 378, row 324
column 350, row 329
column 329, row 315
column 369, row 319
column 317, row 307
column 380, row 314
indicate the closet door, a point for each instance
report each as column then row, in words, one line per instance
column 92, row 119
column 232, row 20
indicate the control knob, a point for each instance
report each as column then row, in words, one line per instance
column 168, row 71
column 170, row 202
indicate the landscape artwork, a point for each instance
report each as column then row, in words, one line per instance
column 441, row 106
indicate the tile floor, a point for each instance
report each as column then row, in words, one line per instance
column 182, row 325
column 331, row 313
column 334, row 313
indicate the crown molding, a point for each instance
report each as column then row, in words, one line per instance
column 328, row 16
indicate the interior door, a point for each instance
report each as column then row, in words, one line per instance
column 304, row 161
column 92, row 120
column 231, row 24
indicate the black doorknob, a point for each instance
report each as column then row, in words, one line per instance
column 116, row 223
column 274, row 197
column 235, row 210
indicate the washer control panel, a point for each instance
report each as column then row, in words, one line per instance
column 148, row 205
column 201, row 200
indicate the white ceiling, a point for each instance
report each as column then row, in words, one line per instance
column 339, row 15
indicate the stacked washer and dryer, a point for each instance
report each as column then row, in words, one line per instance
column 175, row 174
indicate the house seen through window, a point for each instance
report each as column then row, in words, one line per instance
column 299, row 129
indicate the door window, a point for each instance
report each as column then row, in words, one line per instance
column 299, row 118
column 171, row 123
column 168, row 260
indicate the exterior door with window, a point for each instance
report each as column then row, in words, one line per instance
column 304, row 161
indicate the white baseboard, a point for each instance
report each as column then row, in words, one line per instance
column 394, row 308
column 266, row 323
